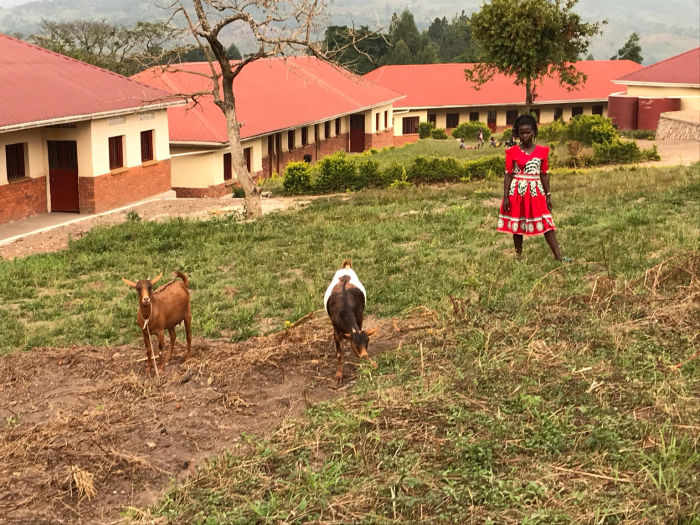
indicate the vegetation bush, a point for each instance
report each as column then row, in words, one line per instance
column 580, row 128
column 603, row 132
column 297, row 178
column 467, row 130
column 439, row 134
column 639, row 134
column 434, row 169
column 617, row 152
column 425, row 129
column 337, row 172
column 482, row 168
column 552, row 132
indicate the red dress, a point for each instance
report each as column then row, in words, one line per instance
column 528, row 214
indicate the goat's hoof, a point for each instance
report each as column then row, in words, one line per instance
column 373, row 363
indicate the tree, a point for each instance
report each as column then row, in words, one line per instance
column 280, row 27
column 530, row 40
column 358, row 50
column 630, row 51
column 120, row 49
column 453, row 38
column 408, row 46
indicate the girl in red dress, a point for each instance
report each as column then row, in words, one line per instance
column 527, row 202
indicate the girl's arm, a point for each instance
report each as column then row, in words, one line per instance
column 544, row 177
column 507, row 179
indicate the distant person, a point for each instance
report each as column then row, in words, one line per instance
column 480, row 138
column 493, row 142
column 462, row 145
column 527, row 203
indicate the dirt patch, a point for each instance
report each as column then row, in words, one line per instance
column 86, row 434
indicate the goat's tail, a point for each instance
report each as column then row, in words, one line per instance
column 347, row 263
column 178, row 273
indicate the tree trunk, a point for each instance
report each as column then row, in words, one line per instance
column 253, row 207
column 528, row 96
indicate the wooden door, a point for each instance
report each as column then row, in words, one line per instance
column 63, row 175
column 357, row 133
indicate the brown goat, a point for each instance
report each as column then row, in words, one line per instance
column 345, row 304
column 162, row 310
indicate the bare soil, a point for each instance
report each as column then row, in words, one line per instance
column 85, row 433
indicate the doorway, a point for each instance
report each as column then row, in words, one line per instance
column 63, row 175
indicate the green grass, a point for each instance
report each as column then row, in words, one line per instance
column 543, row 395
column 429, row 147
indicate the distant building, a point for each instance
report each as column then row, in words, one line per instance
column 439, row 93
column 74, row 137
column 670, row 87
column 291, row 109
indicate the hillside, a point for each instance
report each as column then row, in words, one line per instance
column 664, row 32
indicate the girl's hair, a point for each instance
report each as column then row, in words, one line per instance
column 525, row 119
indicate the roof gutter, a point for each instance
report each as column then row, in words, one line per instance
column 89, row 116
column 500, row 104
column 656, row 84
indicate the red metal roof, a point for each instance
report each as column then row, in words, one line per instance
column 271, row 94
column 38, row 85
column 679, row 69
column 444, row 85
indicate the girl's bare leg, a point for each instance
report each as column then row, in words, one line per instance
column 551, row 237
column 518, row 243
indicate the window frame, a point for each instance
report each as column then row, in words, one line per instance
column 228, row 166
column 15, row 161
column 409, row 125
column 451, row 120
column 291, row 140
column 116, row 152
column 147, row 149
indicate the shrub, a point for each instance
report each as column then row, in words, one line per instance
column 425, row 129
column 651, row 153
column 483, row 167
column 580, row 127
column 552, row 132
column 467, row 130
column 238, row 192
column 274, row 184
column 641, row 134
column 616, row 152
column 434, row 169
column 337, row 173
column 297, row 178
column 603, row 132
column 368, row 174
column 577, row 157
column 395, row 172
column 439, row 134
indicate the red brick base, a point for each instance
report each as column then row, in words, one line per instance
column 380, row 140
column 405, row 139
column 219, row 190
column 22, row 199
column 106, row 192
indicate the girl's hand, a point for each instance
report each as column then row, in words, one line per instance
column 506, row 204
column 549, row 202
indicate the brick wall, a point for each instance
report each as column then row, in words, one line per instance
column 219, row 190
column 109, row 191
column 379, row 140
column 333, row 144
column 22, row 199
column 400, row 140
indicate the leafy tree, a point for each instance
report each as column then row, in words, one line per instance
column 408, row 46
column 530, row 40
column 120, row 49
column 630, row 51
column 358, row 50
column 453, row 38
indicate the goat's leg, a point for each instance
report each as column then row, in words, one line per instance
column 188, row 334
column 149, row 353
column 339, row 352
column 161, row 344
column 169, row 355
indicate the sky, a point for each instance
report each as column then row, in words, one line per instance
column 12, row 3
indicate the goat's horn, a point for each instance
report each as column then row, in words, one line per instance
column 156, row 279
column 129, row 283
column 372, row 331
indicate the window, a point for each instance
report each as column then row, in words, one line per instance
column 14, row 159
column 386, row 119
column 317, row 135
column 511, row 116
column 376, row 121
column 290, row 140
column 473, row 116
column 452, row 120
column 537, row 115
column 597, row 110
column 337, row 126
column 327, row 129
column 432, row 118
column 246, row 156
column 228, row 168
column 576, row 110
column 491, row 118
column 304, row 136
column 558, row 113
column 116, row 152
column 146, row 145
column 410, row 125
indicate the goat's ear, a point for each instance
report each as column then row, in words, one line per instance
column 130, row 284
column 156, row 279
column 372, row 331
column 347, row 263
